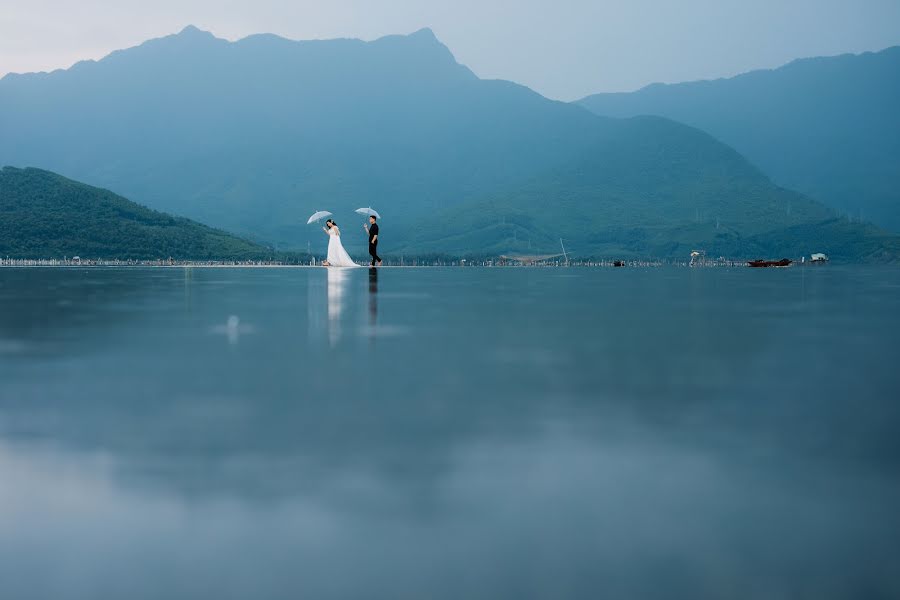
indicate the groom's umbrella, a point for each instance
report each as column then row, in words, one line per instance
column 369, row 212
column 318, row 216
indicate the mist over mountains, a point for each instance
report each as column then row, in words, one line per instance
column 827, row 127
column 252, row 136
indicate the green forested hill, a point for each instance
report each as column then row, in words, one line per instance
column 653, row 188
column 45, row 215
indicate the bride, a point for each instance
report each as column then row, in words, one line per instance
column 337, row 256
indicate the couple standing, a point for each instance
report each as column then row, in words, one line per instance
column 337, row 256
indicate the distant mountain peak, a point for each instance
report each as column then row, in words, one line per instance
column 424, row 48
column 425, row 32
column 192, row 30
column 191, row 34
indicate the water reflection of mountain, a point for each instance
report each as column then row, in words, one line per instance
column 306, row 396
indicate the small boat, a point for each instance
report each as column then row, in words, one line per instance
column 619, row 263
column 818, row 257
column 784, row 262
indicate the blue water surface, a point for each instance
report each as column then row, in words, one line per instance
column 449, row 433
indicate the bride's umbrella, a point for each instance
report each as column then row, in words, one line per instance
column 318, row 216
column 369, row 212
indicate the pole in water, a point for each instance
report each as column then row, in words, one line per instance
column 564, row 251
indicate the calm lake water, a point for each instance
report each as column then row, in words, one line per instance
column 449, row 433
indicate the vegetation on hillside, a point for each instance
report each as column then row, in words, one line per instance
column 253, row 136
column 661, row 195
column 827, row 127
column 44, row 215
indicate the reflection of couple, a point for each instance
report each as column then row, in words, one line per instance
column 337, row 282
column 337, row 256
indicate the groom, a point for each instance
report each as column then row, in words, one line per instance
column 373, row 240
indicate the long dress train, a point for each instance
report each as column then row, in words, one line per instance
column 337, row 256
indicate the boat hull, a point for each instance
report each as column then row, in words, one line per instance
column 784, row 262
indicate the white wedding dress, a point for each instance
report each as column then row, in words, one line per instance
column 337, row 256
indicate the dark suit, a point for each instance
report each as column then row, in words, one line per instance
column 373, row 244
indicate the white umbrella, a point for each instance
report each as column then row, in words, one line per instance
column 318, row 216
column 369, row 211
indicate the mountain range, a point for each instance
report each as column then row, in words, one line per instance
column 828, row 127
column 253, row 136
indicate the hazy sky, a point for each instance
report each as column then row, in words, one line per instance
column 562, row 48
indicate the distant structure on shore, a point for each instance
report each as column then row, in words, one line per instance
column 526, row 259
